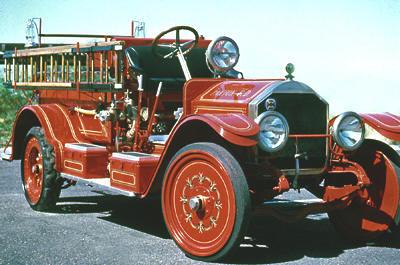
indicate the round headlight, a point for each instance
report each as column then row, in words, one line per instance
column 223, row 54
column 274, row 131
column 348, row 131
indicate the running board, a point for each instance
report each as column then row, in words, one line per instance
column 102, row 184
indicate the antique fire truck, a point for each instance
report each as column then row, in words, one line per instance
column 171, row 117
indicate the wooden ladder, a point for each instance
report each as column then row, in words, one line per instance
column 94, row 67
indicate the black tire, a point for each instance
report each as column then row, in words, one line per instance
column 51, row 182
column 241, row 195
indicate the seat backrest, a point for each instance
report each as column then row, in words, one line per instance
column 155, row 69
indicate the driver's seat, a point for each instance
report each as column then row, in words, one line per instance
column 169, row 71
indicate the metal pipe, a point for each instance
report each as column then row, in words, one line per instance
column 309, row 135
column 87, row 68
column 92, row 67
column 139, row 108
column 79, row 69
column 116, row 67
column 184, row 65
column 40, row 32
column 101, row 67
column 106, row 68
column 153, row 112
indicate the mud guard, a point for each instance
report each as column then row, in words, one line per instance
column 237, row 129
column 386, row 124
column 45, row 116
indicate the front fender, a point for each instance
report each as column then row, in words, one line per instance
column 236, row 128
column 386, row 124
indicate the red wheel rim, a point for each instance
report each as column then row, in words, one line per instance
column 33, row 171
column 375, row 211
column 197, row 176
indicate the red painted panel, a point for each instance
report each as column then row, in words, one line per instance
column 61, row 127
column 229, row 96
column 91, row 163
column 225, row 127
column 386, row 124
column 235, row 123
column 132, row 175
column 194, row 88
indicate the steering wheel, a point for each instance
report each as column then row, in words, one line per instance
column 170, row 50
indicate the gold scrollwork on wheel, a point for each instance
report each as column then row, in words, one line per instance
column 212, row 188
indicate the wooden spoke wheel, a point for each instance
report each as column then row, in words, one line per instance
column 205, row 201
column 377, row 210
column 39, row 179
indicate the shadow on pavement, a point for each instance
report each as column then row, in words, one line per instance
column 268, row 240
column 142, row 215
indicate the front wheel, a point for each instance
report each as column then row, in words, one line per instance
column 205, row 201
column 40, row 180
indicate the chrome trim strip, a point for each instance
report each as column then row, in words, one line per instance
column 253, row 113
column 103, row 184
column 282, row 87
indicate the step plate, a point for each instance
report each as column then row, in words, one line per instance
column 102, row 184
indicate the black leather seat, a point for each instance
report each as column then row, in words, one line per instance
column 169, row 71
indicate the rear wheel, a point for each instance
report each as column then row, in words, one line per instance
column 205, row 201
column 377, row 209
column 40, row 180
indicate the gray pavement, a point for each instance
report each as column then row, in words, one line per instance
column 89, row 228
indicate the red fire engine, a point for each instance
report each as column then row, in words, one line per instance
column 172, row 117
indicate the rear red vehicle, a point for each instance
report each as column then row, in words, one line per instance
column 171, row 117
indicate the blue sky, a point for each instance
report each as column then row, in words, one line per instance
column 348, row 51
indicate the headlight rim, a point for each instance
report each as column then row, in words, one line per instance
column 209, row 55
column 335, row 131
column 260, row 118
